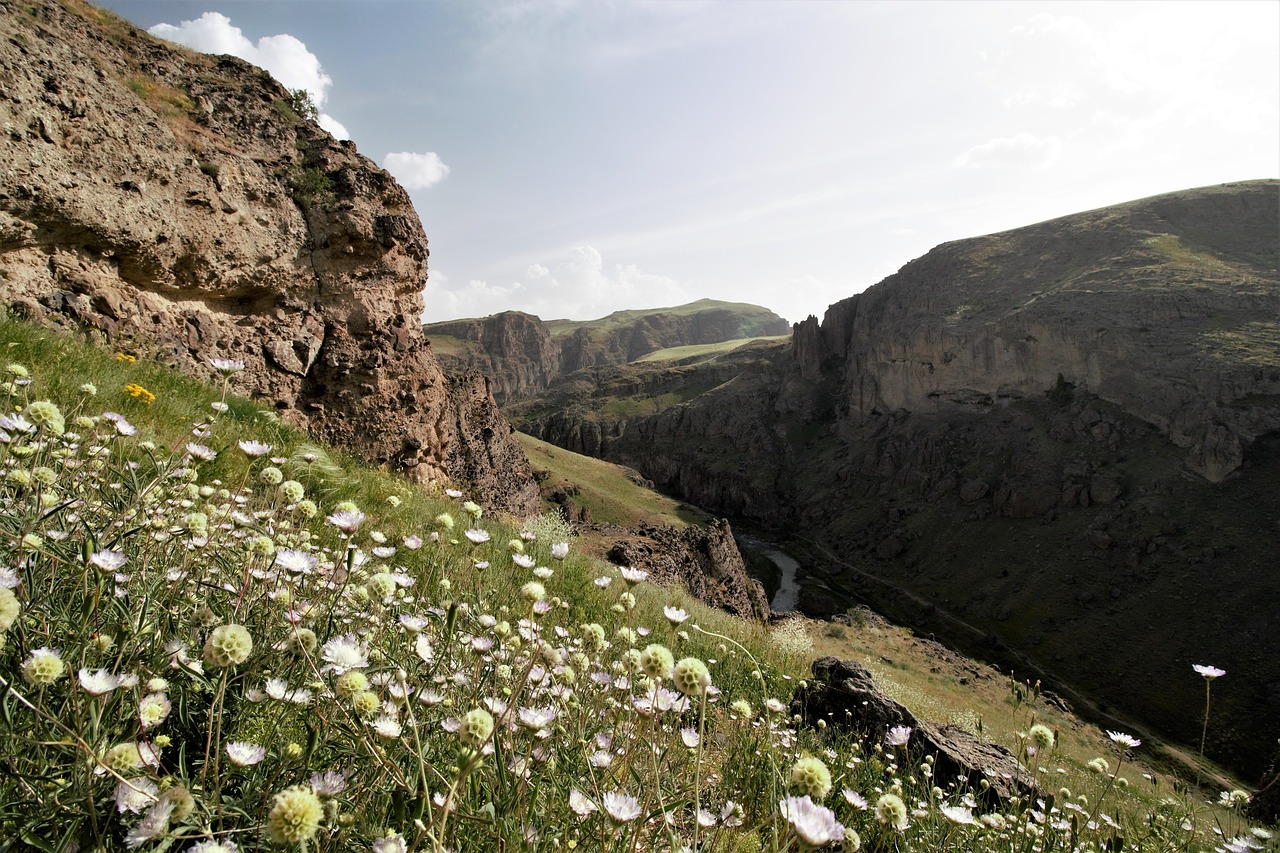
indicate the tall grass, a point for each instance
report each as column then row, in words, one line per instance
column 220, row 636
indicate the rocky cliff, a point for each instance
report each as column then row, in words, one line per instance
column 1054, row 447
column 522, row 354
column 178, row 204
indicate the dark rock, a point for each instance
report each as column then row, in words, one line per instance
column 1264, row 804
column 844, row 693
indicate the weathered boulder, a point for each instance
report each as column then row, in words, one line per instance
column 844, row 693
column 705, row 561
column 175, row 204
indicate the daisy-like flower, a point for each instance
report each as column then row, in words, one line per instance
column 108, row 561
column 453, row 493
column 413, row 542
column 898, row 736
column 560, row 550
column 816, row 825
column 600, row 759
column 524, row 561
column 579, row 803
column 690, row 737
column 245, row 754
column 101, row 681
column 855, row 799
column 297, row 562
column 330, row 783
column 1126, row 741
column 134, row 795
column 343, row 654
column 477, row 536
column 393, row 843
column 632, row 576
column 603, row 581
column 123, row 427
column 154, row 824
column 959, row 815
column 384, row 551
column 1209, row 672
column 675, row 615
column 387, row 727
column 226, row 366
column 346, row 520
column 201, row 452
column 213, row 847
column 620, row 807
column 542, row 573
column 153, row 709
column 536, row 718
column 254, row 448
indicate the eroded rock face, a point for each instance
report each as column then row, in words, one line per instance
column 175, row 204
column 705, row 561
column 845, row 694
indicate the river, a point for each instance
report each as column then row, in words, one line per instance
column 787, row 595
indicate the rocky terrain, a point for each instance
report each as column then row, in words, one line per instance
column 521, row 354
column 1056, row 447
column 183, row 207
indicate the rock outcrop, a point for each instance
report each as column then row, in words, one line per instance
column 845, row 694
column 177, row 204
column 704, row 561
column 522, row 355
column 1046, row 447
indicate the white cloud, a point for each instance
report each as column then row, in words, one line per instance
column 1025, row 150
column 416, row 171
column 285, row 57
column 577, row 285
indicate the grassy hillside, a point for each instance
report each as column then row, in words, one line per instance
column 703, row 351
column 751, row 316
column 218, row 635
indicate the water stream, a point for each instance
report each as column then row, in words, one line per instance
column 788, row 594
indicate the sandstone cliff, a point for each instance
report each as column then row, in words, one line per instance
column 522, row 354
column 177, row 204
column 1055, row 447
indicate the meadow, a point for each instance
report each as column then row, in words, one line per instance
column 218, row 635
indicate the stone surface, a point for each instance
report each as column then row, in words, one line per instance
column 173, row 204
column 844, row 693
column 705, row 561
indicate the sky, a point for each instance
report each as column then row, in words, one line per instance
column 571, row 158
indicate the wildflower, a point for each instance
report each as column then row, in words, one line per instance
column 45, row 415
column 295, row 816
column 154, row 824
column 632, row 576
column 344, row 653
column 213, row 847
column 453, row 493
column 656, row 661
column 603, row 582
column 135, row 390
column 898, row 736
column 811, row 776
column 153, row 709
column 134, row 795
column 692, row 677
column 413, row 542
column 254, row 448
column 477, row 536
column 330, row 783
column 108, row 561
column 1041, row 736
column 1099, row 765
column 445, row 520
column 199, row 451
column 816, row 825
column 228, row 645
column 271, row 475
column 123, row 427
column 226, row 367
column 297, row 562
column 387, row 727
column 620, row 807
column 1209, row 672
column 473, row 508
column 245, row 754
column 123, row 758
column 958, row 815
column 10, row 607
column 854, row 799
column 393, row 843
column 101, row 681
column 524, row 561
column 690, row 737
column 675, row 615
column 579, row 803
column 348, row 520
column 892, row 812
column 1124, row 740
column 476, row 727
column 43, row 666
column 560, row 550
column 533, row 592
column 536, row 719
column 89, row 389
column 18, row 371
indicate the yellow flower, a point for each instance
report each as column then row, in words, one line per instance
column 126, row 358
column 135, row 390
